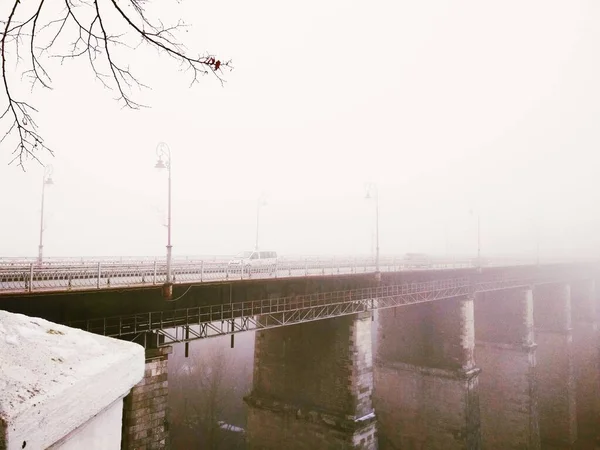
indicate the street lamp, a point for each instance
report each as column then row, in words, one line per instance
column 46, row 181
column 262, row 201
column 478, row 239
column 373, row 193
column 162, row 150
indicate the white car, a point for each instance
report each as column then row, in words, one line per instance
column 255, row 260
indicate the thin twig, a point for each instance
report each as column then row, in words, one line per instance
column 91, row 38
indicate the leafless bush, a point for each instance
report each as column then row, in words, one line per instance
column 206, row 391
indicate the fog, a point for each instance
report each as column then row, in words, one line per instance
column 455, row 109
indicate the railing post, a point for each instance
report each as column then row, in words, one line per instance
column 98, row 279
column 30, row 287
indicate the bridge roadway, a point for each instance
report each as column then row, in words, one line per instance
column 23, row 276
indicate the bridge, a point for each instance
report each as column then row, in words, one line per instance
column 27, row 275
column 59, row 275
column 503, row 355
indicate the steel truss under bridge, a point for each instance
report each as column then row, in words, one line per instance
column 184, row 325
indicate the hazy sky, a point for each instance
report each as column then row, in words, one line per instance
column 450, row 106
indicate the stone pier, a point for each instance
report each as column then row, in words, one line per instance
column 586, row 358
column 506, row 353
column 312, row 386
column 555, row 368
column 426, row 380
column 145, row 422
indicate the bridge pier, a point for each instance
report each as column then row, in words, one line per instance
column 506, row 354
column 145, row 423
column 426, row 380
column 586, row 358
column 312, row 386
column 555, row 368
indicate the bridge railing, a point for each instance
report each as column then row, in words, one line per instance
column 103, row 274
column 73, row 261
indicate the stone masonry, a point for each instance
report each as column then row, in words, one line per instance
column 555, row 369
column 427, row 394
column 506, row 354
column 312, row 386
column 586, row 358
column 145, row 424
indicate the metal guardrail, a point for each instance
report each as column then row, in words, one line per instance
column 108, row 274
column 70, row 261
column 187, row 324
column 33, row 277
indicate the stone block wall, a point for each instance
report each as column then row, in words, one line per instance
column 586, row 357
column 313, row 385
column 425, row 408
column 505, row 352
column 426, row 381
column 145, row 422
column 555, row 368
column 288, row 429
column 437, row 334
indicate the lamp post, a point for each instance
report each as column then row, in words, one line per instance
column 373, row 193
column 262, row 201
column 478, row 239
column 162, row 150
column 46, row 181
column 537, row 242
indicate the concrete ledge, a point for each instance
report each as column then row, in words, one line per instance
column 54, row 379
column 562, row 331
column 519, row 348
column 456, row 374
column 336, row 421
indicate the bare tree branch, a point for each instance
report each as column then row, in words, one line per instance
column 84, row 24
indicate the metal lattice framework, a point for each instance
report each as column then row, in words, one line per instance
column 183, row 325
column 73, row 275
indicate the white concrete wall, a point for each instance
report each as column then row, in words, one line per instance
column 61, row 387
column 101, row 432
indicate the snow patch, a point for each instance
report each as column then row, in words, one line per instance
column 371, row 415
column 229, row 427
